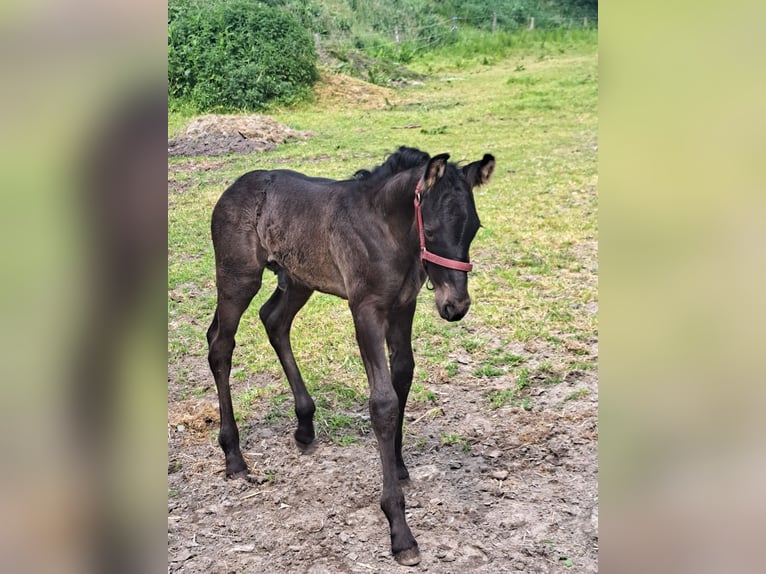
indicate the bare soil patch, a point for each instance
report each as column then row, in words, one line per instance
column 214, row 135
column 516, row 493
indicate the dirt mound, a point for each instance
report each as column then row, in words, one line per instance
column 215, row 134
column 374, row 70
column 343, row 89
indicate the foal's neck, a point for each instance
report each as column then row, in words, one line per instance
column 396, row 200
column 399, row 191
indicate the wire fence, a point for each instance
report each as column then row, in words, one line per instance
column 443, row 30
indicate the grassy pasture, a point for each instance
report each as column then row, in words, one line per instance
column 533, row 105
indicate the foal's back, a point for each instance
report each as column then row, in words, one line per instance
column 285, row 219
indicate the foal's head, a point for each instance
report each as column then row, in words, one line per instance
column 450, row 223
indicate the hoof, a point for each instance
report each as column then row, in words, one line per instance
column 247, row 476
column 304, row 439
column 408, row 557
column 236, row 467
column 238, row 474
column 305, row 448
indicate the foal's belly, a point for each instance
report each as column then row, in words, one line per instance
column 317, row 280
column 309, row 264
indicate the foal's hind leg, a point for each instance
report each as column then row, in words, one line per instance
column 234, row 296
column 277, row 315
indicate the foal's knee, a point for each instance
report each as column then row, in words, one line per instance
column 384, row 412
column 403, row 364
column 219, row 352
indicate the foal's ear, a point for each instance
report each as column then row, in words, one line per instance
column 479, row 172
column 435, row 169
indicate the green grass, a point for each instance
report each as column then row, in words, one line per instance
column 474, row 48
column 421, row 393
column 513, row 396
column 454, row 439
column 342, row 429
column 496, row 363
column 534, row 106
column 573, row 396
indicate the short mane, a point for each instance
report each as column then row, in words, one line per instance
column 402, row 159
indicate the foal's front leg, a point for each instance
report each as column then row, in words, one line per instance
column 399, row 340
column 371, row 325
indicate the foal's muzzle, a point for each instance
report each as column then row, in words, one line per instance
column 454, row 310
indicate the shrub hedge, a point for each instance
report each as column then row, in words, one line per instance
column 226, row 55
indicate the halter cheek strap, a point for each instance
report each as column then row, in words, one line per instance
column 425, row 254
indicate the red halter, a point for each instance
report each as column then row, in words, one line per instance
column 426, row 255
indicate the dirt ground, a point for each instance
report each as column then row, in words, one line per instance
column 519, row 495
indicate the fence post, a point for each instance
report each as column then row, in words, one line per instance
column 585, row 22
column 532, row 23
column 494, row 22
column 396, row 37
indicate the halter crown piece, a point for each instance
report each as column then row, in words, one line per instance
column 425, row 254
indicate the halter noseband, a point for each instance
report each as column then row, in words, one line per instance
column 425, row 254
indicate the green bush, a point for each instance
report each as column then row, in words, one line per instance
column 237, row 55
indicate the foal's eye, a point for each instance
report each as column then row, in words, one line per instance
column 429, row 233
